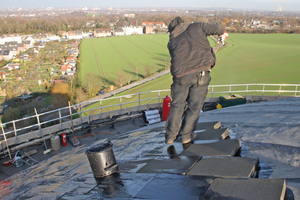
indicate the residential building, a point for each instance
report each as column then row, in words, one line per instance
column 131, row 15
column 29, row 42
column 102, row 33
column 10, row 66
column 41, row 37
column 54, row 38
column 10, row 38
column 154, row 24
column 6, row 55
column 133, row 30
column 148, row 30
column 74, row 35
column 118, row 31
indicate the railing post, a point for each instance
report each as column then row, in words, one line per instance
column 60, row 122
column 4, row 136
column 212, row 93
column 296, row 90
column 139, row 108
column 100, row 116
column 80, row 121
column 120, row 111
column 229, row 90
column 40, row 130
column 279, row 91
column 38, row 121
column 16, row 136
column 246, row 91
column 262, row 95
column 158, row 99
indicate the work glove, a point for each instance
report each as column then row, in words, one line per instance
column 220, row 38
column 223, row 37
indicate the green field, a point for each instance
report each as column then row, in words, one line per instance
column 131, row 54
column 247, row 58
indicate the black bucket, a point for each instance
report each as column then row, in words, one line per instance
column 102, row 159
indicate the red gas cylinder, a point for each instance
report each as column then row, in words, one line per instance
column 64, row 139
column 166, row 107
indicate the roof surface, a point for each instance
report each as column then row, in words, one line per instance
column 267, row 131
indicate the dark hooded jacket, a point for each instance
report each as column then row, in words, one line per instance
column 189, row 47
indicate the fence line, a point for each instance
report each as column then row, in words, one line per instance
column 214, row 91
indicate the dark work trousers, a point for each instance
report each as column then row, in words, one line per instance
column 191, row 90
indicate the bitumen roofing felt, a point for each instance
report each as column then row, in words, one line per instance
column 266, row 132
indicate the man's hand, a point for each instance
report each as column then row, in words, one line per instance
column 221, row 40
column 222, row 37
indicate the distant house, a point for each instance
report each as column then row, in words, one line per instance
column 154, row 24
column 70, row 58
column 133, row 30
column 13, row 50
column 87, row 35
column 148, row 30
column 29, row 42
column 161, row 25
column 57, row 81
column 24, row 56
column 102, row 33
column 19, row 78
column 2, row 74
column 41, row 45
column 41, row 37
column 66, row 68
column 118, row 31
column 255, row 22
column 131, row 15
column 73, row 64
column 63, row 33
column 74, row 35
column 54, row 38
column 25, row 98
column 22, row 47
column 10, row 66
column 10, row 38
column 72, row 73
column 6, row 55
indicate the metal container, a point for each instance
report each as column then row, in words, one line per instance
column 102, row 159
column 55, row 142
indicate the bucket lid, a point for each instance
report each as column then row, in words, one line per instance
column 99, row 147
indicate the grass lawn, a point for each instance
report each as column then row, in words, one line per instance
column 106, row 56
column 247, row 58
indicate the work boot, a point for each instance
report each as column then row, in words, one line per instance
column 190, row 139
column 169, row 140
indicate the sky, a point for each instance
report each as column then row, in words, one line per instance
column 270, row 5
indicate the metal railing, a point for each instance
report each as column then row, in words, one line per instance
column 100, row 106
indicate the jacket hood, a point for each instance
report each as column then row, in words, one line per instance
column 179, row 29
column 174, row 23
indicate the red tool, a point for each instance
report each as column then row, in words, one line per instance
column 166, row 107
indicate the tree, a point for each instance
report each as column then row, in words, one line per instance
column 147, row 70
column 225, row 21
column 61, row 94
column 94, row 83
column 121, row 78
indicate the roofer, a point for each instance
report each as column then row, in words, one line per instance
column 192, row 60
